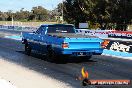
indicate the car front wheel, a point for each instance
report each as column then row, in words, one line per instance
column 27, row 49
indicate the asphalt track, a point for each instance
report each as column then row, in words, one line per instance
column 99, row 67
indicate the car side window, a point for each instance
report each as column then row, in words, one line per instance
column 38, row 31
column 41, row 30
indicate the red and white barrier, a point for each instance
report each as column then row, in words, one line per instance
column 105, row 33
column 98, row 33
column 121, row 34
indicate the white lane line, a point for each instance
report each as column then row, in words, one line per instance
column 14, row 37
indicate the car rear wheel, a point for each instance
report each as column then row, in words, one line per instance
column 50, row 54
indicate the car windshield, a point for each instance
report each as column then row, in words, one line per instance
column 61, row 29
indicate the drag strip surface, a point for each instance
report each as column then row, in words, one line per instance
column 99, row 67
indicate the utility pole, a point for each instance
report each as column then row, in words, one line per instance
column 12, row 20
column 11, row 15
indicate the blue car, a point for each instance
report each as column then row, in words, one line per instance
column 61, row 40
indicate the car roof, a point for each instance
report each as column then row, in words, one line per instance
column 47, row 25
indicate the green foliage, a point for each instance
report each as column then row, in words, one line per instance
column 39, row 13
column 36, row 14
column 98, row 11
column 78, row 11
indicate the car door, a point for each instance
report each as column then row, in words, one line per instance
column 43, row 39
column 37, row 39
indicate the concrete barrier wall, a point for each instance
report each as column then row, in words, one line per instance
column 98, row 33
column 17, row 27
column 121, row 34
column 119, row 48
column 106, row 33
column 114, row 47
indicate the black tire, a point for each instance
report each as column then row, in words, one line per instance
column 27, row 49
column 51, row 55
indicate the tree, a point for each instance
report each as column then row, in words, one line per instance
column 56, row 12
column 1, row 18
column 76, row 11
column 21, row 15
column 98, row 11
column 121, row 13
column 39, row 13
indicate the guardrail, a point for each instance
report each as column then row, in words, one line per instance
column 17, row 27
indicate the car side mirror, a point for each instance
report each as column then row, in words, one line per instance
column 33, row 31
